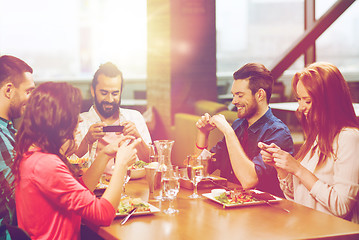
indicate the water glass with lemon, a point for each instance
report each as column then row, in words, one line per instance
column 195, row 174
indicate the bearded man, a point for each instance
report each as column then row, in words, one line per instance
column 16, row 85
column 106, row 90
column 237, row 155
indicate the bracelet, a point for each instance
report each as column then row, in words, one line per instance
column 201, row 148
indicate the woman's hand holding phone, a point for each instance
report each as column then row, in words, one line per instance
column 267, row 152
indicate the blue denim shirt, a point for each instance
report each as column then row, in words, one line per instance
column 268, row 129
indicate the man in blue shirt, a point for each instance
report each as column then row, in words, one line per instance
column 237, row 154
column 16, row 85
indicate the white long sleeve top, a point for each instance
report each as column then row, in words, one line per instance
column 336, row 191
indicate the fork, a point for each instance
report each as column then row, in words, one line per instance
column 128, row 216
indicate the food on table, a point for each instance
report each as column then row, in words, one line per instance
column 138, row 164
column 128, row 203
column 217, row 192
column 137, row 169
column 262, row 195
column 76, row 160
column 236, row 197
column 79, row 163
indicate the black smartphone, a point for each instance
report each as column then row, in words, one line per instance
column 113, row 128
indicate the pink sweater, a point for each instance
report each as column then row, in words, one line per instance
column 50, row 202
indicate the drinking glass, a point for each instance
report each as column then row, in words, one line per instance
column 104, row 180
column 153, row 153
column 195, row 174
column 153, row 175
column 126, row 179
column 183, row 173
column 170, row 186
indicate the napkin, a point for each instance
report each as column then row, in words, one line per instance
column 205, row 154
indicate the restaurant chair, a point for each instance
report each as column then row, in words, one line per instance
column 17, row 233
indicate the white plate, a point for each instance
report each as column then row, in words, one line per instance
column 153, row 210
column 211, row 197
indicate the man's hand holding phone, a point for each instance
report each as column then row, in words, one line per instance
column 95, row 132
column 113, row 128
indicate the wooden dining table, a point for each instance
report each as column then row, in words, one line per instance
column 205, row 219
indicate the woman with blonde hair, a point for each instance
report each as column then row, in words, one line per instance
column 324, row 174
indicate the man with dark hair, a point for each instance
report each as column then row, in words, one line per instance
column 106, row 90
column 237, row 154
column 16, row 85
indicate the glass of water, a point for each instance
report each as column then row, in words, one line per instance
column 127, row 178
column 195, row 174
column 170, row 186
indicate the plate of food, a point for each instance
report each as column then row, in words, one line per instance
column 138, row 169
column 77, row 161
column 80, row 164
column 241, row 198
column 128, row 203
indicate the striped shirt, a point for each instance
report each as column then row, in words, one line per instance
column 7, row 191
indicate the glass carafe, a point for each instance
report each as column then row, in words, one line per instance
column 164, row 149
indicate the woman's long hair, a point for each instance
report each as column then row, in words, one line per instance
column 331, row 110
column 50, row 119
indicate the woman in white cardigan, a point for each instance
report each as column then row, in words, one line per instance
column 324, row 174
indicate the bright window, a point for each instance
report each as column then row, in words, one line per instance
column 262, row 30
column 340, row 43
column 68, row 40
column 256, row 31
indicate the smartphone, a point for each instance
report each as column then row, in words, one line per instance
column 113, row 128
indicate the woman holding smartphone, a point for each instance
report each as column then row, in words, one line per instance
column 51, row 200
column 324, row 174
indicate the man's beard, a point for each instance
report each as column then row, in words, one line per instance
column 107, row 113
column 15, row 109
column 250, row 111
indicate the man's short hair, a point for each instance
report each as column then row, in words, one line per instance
column 12, row 69
column 108, row 69
column 259, row 77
